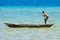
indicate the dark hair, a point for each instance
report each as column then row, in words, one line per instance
column 43, row 12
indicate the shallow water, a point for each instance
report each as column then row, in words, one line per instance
column 29, row 15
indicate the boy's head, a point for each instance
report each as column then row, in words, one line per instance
column 43, row 11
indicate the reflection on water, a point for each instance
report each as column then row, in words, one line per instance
column 29, row 34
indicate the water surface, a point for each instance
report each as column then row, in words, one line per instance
column 29, row 15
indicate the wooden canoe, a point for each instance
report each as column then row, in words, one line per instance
column 28, row 25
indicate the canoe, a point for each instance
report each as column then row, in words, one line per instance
column 27, row 25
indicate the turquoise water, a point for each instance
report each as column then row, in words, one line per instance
column 29, row 15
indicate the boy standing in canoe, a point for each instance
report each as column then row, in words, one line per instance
column 46, row 16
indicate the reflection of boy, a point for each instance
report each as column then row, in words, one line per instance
column 46, row 16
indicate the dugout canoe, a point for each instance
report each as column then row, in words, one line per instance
column 27, row 25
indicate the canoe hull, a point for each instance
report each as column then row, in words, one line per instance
column 28, row 25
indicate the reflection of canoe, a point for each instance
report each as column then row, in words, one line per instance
column 27, row 25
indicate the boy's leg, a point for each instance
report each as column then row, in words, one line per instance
column 46, row 19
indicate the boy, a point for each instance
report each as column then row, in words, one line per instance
column 46, row 16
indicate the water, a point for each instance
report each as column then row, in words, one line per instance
column 29, row 2
column 29, row 15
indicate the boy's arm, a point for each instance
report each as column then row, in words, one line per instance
column 43, row 15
